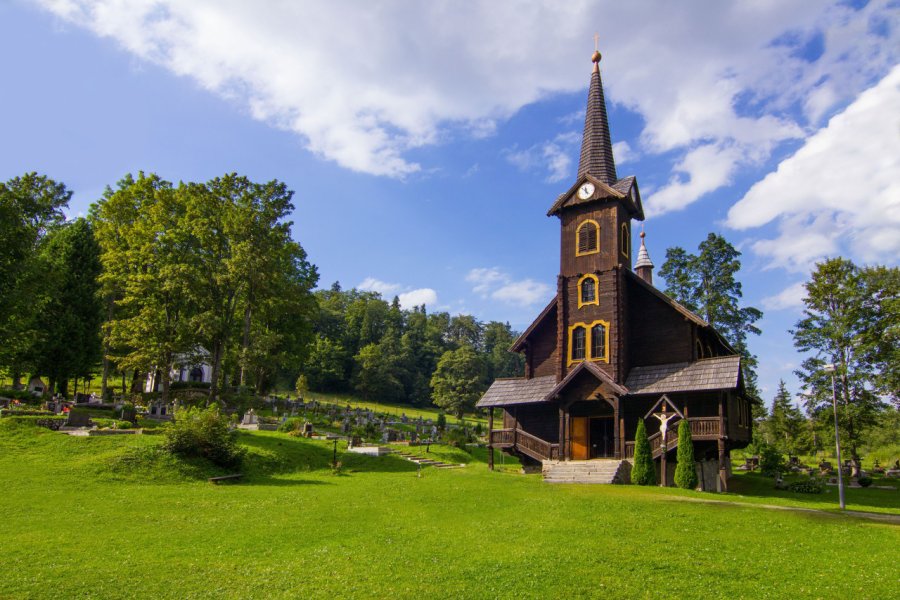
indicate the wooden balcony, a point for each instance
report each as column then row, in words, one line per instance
column 525, row 443
column 702, row 428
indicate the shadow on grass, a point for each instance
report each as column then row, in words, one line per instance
column 758, row 486
column 277, row 453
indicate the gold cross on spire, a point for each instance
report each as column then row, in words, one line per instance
column 596, row 41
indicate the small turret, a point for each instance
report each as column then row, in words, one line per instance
column 644, row 267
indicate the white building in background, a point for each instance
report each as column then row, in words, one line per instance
column 194, row 368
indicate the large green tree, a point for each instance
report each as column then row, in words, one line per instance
column 786, row 424
column 30, row 206
column 68, row 344
column 146, row 254
column 836, row 328
column 707, row 284
column 458, row 380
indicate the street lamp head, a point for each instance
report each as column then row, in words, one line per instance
column 829, row 368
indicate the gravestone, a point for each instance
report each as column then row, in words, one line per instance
column 249, row 418
column 78, row 419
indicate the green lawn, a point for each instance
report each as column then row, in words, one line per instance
column 113, row 517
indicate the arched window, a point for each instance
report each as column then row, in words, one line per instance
column 587, row 290
column 699, row 349
column 578, row 343
column 598, row 342
column 626, row 240
column 587, row 238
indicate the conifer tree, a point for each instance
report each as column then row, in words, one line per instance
column 643, row 472
column 685, row 471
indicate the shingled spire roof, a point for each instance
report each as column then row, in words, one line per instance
column 596, row 147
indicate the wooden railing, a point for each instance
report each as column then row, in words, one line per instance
column 503, row 438
column 702, row 428
column 526, row 443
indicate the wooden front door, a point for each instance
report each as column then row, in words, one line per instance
column 580, row 441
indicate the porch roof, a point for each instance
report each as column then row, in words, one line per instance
column 719, row 373
column 504, row 392
column 593, row 370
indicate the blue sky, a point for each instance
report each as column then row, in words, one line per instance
column 425, row 141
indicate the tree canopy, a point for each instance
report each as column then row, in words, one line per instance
column 707, row 284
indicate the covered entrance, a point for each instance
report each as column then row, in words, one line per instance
column 593, row 437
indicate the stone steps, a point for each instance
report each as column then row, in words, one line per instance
column 427, row 462
column 599, row 471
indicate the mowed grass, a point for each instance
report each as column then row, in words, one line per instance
column 113, row 517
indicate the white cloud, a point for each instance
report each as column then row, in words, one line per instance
column 364, row 86
column 790, row 297
column 499, row 285
column 554, row 156
column 408, row 297
column 418, row 297
column 839, row 193
column 623, row 153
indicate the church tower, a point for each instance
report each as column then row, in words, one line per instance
column 595, row 246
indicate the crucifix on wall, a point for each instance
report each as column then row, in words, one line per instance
column 664, row 418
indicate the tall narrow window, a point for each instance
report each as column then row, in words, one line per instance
column 587, row 290
column 626, row 240
column 587, row 238
column 598, row 342
column 578, row 343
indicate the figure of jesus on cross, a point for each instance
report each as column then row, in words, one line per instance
column 664, row 419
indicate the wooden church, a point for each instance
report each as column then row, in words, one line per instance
column 610, row 349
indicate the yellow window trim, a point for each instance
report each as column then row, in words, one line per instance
column 596, row 299
column 625, row 241
column 578, row 238
column 588, row 345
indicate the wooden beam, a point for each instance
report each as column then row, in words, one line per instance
column 490, row 446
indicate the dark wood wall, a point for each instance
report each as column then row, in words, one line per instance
column 542, row 348
column 541, row 419
column 658, row 334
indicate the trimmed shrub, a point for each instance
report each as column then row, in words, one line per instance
column 685, row 470
column 864, row 481
column 206, row 434
column 441, row 421
column 51, row 421
column 643, row 472
column 807, row 486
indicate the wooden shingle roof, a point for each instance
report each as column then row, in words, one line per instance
column 596, row 148
column 719, row 373
column 504, row 392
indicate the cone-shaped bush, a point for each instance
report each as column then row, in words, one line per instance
column 685, row 472
column 643, row 472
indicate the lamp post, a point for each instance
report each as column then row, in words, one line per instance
column 830, row 368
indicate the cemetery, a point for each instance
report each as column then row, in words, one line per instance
column 303, row 507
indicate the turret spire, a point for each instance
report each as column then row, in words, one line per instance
column 644, row 267
column 596, row 147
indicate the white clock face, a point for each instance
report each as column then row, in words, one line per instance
column 586, row 190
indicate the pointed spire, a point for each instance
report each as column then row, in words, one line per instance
column 644, row 267
column 596, row 147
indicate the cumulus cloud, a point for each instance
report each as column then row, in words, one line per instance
column 498, row 285
column 839, row 193
column 408, row 297
column 790, row 297
column 364, row 87
column 553, row 156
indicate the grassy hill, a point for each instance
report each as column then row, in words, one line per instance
column 115, row 517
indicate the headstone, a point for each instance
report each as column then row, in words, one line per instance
column 78, row 419
column 249, row 418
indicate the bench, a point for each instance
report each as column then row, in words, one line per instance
column 225, row 478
